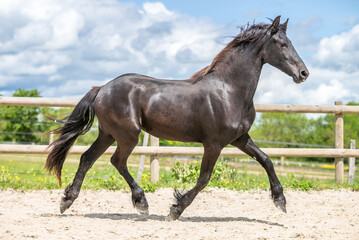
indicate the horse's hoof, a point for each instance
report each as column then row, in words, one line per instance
column 64, row 205
column 281, row 206
column 142, row 210
column 169, row 218
column 172, row 216
column 62, row 208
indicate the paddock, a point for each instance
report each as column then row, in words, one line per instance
column 215, row 214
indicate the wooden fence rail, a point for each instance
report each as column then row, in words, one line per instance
column 339, row 153
column 193, row 151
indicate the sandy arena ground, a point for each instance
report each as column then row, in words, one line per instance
column 215, row 214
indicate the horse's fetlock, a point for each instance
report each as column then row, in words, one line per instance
column 138, row 192
column 277, row 193
column 277, row 189
column 176, row 210
column 139, row 198
column 70, row 193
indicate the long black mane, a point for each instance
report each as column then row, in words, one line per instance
column 249, row 34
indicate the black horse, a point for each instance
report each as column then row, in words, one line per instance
column 213, row 107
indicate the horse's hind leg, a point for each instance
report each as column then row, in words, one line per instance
column 119, row 160
column 88, row 158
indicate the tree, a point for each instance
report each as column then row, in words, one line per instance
column 351, row 126
column 324, row 132
column 281, row 127
column 297, row 128
column 19, row 123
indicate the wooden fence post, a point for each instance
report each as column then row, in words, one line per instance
column 339, row 144
column 351, row 163
column 282, row 159
column 155, row 164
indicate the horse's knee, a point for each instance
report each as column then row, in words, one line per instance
column 266, row 162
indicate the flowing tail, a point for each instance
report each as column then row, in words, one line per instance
column 78, row 123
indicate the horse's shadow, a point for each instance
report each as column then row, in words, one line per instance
column 154, row 217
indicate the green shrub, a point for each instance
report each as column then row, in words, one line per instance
column 189, row 173
column 148, row 186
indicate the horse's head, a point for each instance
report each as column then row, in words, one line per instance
column 279, row 52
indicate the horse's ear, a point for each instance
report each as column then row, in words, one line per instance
column 275, row 24
column 285, row 25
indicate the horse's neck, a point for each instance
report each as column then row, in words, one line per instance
column 243, row 73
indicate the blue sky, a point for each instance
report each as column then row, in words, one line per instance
column 334, row 14
column 63, row 48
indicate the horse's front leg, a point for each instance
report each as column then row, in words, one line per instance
column 209, row 159
column 246, row 144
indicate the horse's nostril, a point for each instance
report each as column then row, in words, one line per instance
column 304, row 74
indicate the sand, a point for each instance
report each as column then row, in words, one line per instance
column 214, row 214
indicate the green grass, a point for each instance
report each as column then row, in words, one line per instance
column 27, row 173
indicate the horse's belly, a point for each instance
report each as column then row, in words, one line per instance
column 171, row 127
column 172, row 133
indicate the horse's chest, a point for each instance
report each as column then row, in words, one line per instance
column 239, row 123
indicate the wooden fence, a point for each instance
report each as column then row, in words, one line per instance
column 339, row 153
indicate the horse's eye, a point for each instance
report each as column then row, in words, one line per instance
column 283, row 45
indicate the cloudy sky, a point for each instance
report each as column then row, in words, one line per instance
column 62, row 48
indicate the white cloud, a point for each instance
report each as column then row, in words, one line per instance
column 303, row 33
column 32, row 63
column 32, row 34
column 157, row 11
column 340, row 51
column 328, row 91
column 323, row 87
column 56, row 42
column 65, row 47
column 65, row 27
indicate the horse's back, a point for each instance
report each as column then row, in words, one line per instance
column 165, row 108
